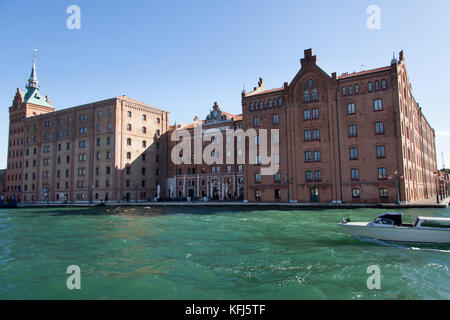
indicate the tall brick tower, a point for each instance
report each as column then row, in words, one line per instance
column 25, row 104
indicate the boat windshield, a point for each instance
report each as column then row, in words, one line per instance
column 384, row 221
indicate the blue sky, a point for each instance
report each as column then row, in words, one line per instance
column 184, row 55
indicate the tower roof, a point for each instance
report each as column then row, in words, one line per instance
column 33, row 81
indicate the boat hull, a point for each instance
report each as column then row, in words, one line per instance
column 398, row 233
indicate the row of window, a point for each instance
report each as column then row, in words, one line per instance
column 271, row 103
column 370, row 88
column 215, row 169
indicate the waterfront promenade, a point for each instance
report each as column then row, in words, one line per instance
column 429, row 203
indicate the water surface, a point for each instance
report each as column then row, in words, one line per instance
column 210, row 253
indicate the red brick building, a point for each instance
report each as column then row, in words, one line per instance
column 357, row 137
column 110, row 150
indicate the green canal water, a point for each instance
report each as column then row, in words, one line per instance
column 210, row 253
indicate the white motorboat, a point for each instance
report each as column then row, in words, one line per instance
column 389, row 227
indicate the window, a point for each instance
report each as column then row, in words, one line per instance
column 270, row 103
column 129, row 142
column 129, row 114
column 258, row 177
column 314, row 95
column 277, row 158
column 308, row 156
column 377, row 85
column 256, row 122
column 378, row 104
column 355, row 174
column 144, row 144
column 128, row 155
column 280, row 102
column 251, row 106
column 382, row 173
column 129, row 127
column 370, row 87
column 356, row 193
column 261, row 104
column 316, row 156
column 83, row 131
column 351, row 108
column 381, row 152
column 356, row 88
column 258, row 194
column 353, row 153
column 318, row 175
column 383, row 193
column 344, row 91
column 144, row 130
column 350, row 90
column 306, row 96
column 275, row 119
column 99, row 114
column 307, row 135
column 83, row 116
column 144, row 117
column 383, row 84
column 379, row 127
column 352, row 130
column 315, row 113
column 307, row 114
column 82, row 144
column 309, row 176
column 276, row 138
column 310, row 83
column 316, row 134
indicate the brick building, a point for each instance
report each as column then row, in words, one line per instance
column 220, row 180
column 357, row 137
column 108, row 150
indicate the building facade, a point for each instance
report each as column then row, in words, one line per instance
column 221, row 180
column 357, row 137
column 353, row 138
column 111, row 150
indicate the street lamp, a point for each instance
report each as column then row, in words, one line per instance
column 437, row 187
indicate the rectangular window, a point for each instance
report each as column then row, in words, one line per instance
column 356, row 194
column 258, row 177
column 378, row 105
column 316, row 156
column 307, row 114
column 351, row 108
column 355, row 174
column 256, row 122
column 382, row 173
column 309, row 176
column 308, row 156
column 352, row 130
column 275, row 119
column 379, row 127
column 315, row 113
column 318, row 175
column 307, row 135
column 353, row 153
column 316, row 134
column 381, row 152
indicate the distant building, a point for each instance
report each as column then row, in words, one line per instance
column 110, row 150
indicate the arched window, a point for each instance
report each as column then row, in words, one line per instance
column 350, row 90
column 344, row 91
column 310, row 83
column 251, row 106
column 356, row 88
column 270, row 103
column 383, row 84
column 144, row 130
column 260, row 105
column 377, row 85
column 370, row 87
column 306, row 96
column 280, row 102
column 314, row 95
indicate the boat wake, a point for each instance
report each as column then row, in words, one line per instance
column 406, row 246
